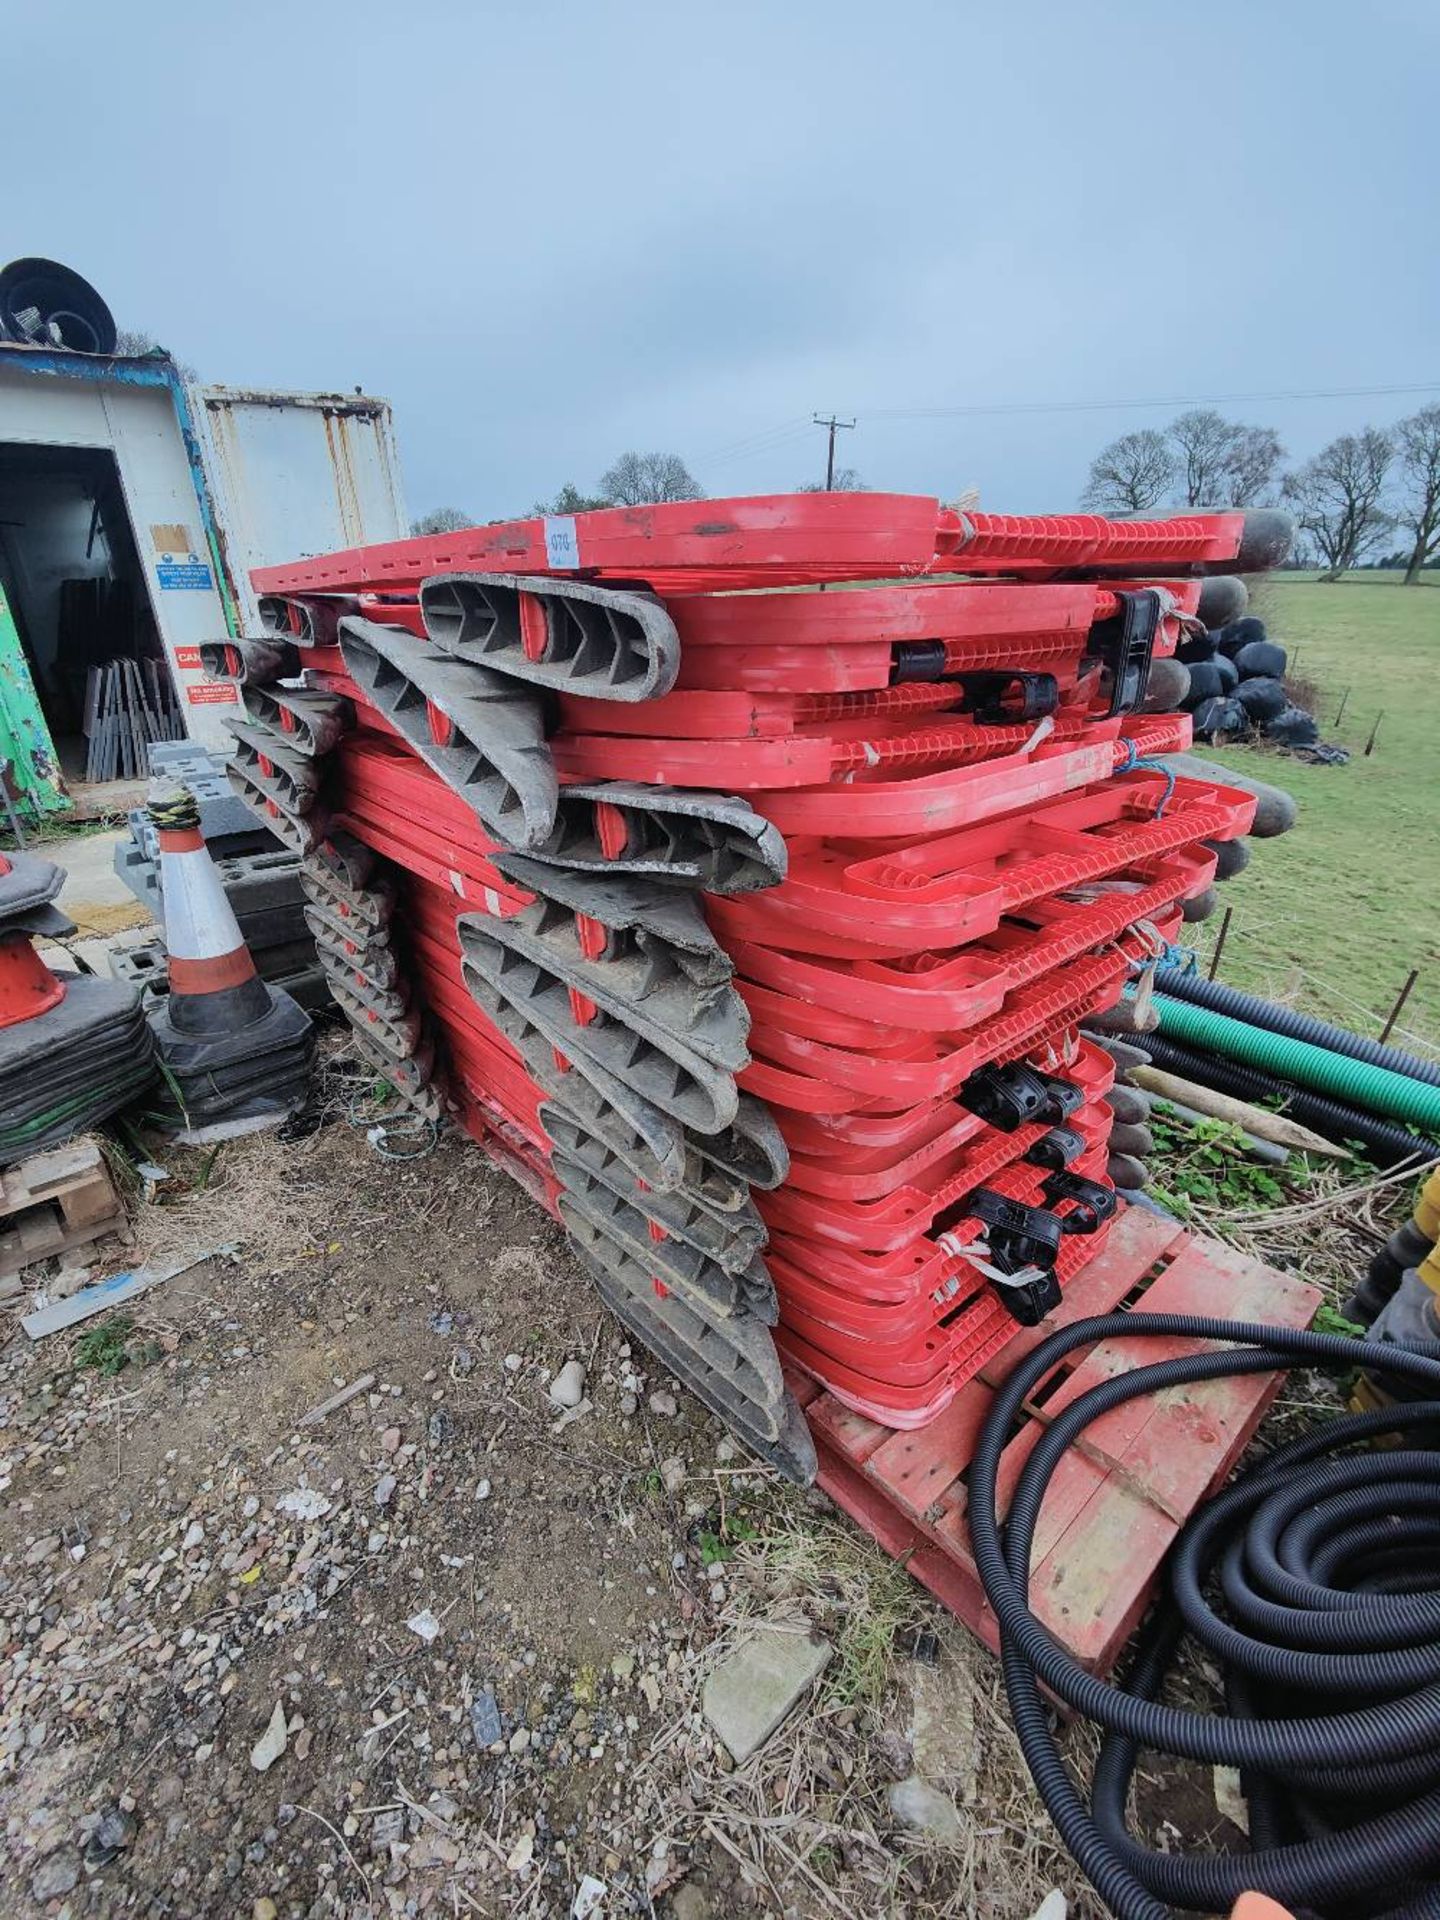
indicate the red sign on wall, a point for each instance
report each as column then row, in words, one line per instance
column 188, row 657
column 210, row 692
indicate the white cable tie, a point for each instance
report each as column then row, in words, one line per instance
column 1044, row 727
column 1026, row 1277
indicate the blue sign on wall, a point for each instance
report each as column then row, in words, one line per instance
column 192, row 575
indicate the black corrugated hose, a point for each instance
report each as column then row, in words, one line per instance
column 1313, row 1579
column 1255, row 1012
column 1386, row 1142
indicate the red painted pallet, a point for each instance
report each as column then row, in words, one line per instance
column 1116, row 1503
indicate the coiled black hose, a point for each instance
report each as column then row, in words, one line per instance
column 1274, row 1018
column 1386, row 1143
column 1327, row 1623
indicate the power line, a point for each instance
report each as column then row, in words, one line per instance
column 1174, row 400
column 785, row 430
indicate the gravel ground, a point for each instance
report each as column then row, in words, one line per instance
column 442, row 1650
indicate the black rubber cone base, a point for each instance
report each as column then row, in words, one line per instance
column 91, row 1007
column 260, row 1069
column 71, row 1067
column 187, row 1052
column 30, row 882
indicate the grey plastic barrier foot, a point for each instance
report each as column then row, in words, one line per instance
column 306, row 721
column 482, row 733
column 608, row 643
column 283, row 773
column 300, row 832
column 679, row 836
column 316, row 617
column 733, row 1369
column 642, row 1053
column 250, row 662
column 709, row 1288
column 536, row 1039
column 730, row 1237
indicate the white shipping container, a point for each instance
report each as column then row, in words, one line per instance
column 294, row 474
column 114, row 475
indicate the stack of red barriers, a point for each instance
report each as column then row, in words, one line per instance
column 748, row 912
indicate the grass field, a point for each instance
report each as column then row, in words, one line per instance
column 1333, row 915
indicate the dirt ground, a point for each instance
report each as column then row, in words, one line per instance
column 484, row 1625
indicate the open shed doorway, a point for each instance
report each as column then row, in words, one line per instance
column 72, row 574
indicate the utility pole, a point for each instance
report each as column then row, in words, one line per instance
column 834, row 426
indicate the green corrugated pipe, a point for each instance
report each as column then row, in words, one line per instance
column 1375, row 1089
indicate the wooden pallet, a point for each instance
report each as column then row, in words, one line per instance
column 1115, row 1504
column 54, row 1202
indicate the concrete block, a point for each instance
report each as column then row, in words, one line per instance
column 750, row 1693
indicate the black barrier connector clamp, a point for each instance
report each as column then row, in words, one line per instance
column 1063, row 1099
column 1016, row 1096
column 1007, row 1098
column 917, row 660
column 1125, row 646
column 1093, row 1203
column 1007, row 699
column 1016, row 1234
column 1060, row 1148
column 1029, row 1295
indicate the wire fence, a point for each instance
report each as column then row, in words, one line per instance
column 1290, row 984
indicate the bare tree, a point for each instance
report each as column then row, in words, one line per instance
column 1336, row 498
column 1202, row 440
column 133, row 343
column 846, row 480
column 571, row 500
column 1131, row 475
column 640, row 479
column 1418, row 440
column 1220, row 462
column 442, row 520
column 1253, row 466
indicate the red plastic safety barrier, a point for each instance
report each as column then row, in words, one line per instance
column 814, row 642
column 810, row 1228
column 694, row 545
column 975, row 542
column 864, row 1160
column 978, row 857
column 388, row 798
column 821, row 1062
column 944, row 892
column 806, row 757
column 726, row 716
column 947, row 993
column 429, row 925
column 866, row 807
column 908, row 1387
column 897, row 1293
column 1056, row 759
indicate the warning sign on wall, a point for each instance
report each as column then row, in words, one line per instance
column 183, row 576
column 209, row 693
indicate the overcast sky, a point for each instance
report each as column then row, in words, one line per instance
column 548, row 232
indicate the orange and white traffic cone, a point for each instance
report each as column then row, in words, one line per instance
column 235, row 1051
column 27, row 986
